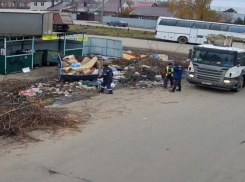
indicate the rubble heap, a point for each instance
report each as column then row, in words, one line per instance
column 20, row 114
column 147, row 68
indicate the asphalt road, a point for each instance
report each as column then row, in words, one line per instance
column 95, row 23
column 197, row 135
column 150, row 44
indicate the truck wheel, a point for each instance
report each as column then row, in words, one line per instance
column 182, row 40
column 55, row 28
column 240, row 84
column 65, row 28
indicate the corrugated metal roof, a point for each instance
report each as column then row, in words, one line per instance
column 145, row 4
column 67, row 5
column 152, row 11
column 59, row 6
column 112, row 5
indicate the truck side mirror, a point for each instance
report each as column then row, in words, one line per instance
column 190, row 53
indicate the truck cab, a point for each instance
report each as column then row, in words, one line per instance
column 217, row 66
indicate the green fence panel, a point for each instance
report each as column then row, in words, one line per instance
column 77, row 52
column 50, row 57
column 2, row 64
column 38, row 58
column 15, row 64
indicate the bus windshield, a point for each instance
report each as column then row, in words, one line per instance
column 213, row 58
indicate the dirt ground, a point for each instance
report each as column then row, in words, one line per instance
column 140, row 135
column 42, row 74
column 98, row 108
column 136, row 135
column 35, row 74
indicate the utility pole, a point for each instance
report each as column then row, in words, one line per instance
column 102, row 11
column 119, row 7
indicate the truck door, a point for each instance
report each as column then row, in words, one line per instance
column 193, row 35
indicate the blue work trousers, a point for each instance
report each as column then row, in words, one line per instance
column 107, row 85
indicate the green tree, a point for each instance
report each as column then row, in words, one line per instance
column 239, row 21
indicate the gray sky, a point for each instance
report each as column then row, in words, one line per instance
column 238, row 5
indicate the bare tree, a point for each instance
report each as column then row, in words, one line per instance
column 163, row 4
column 93, row 6
column 228, row 17
column 223, row 17
column 192, row 9
column 73, row 6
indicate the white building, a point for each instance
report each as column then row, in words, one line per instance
column 37, row 5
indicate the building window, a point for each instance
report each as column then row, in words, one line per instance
column 42, row 4
column 35, row 4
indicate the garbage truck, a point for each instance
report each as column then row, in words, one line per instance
column 23, row 22
column 217, row 66
column 61, row 21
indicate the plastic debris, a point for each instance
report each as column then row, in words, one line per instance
column 26, row 70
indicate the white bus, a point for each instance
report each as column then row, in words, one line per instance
column 192, row 31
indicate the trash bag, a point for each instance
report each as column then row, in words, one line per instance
column 113, row 85
column 156, row 56
column 75, row 65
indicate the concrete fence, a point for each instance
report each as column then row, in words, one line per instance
column 105, row 47
column 133, row 22
column 74, row 16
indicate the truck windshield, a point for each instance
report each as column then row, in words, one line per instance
column 213, row 58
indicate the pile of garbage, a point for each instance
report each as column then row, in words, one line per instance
column 80, row 66
column 144, row 70
column 23, row 111
column 59, row 88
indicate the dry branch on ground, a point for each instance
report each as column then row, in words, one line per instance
column 19, row 114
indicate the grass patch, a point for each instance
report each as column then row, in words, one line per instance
column 110, row 31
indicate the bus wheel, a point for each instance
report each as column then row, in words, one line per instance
column 182, row 40
column 239, row 84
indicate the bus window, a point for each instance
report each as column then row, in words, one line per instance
column 236, row 29
column 188, row 24
column 201, row 25
column 168, row 22
column 219, row 27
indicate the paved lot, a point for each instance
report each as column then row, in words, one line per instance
column 197, row 135
column 94, row 23
column 150, row 44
